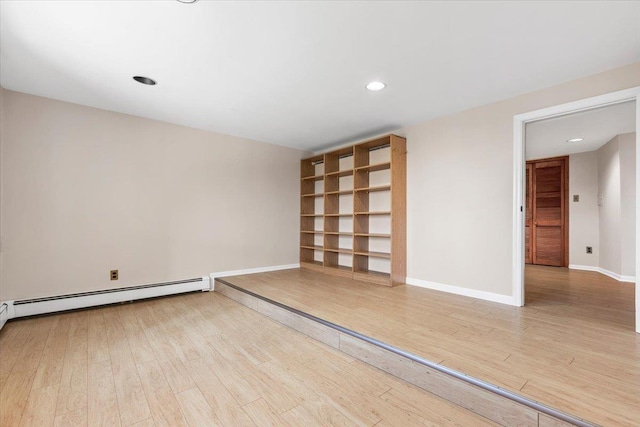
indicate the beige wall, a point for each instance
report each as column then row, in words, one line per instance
column 616, row 185
column 627, row 147
column 1, row 144
column 609, row 206
column 460, row 186
column 87, row 190
column 583, row 215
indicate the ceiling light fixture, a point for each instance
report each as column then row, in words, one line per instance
column 187, row 1
column 376, row 86
column 144, row 80
column 575, row 140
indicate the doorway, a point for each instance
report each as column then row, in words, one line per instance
column 520, row 187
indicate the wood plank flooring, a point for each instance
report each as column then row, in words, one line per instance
column 195, row 360
column 572, row 347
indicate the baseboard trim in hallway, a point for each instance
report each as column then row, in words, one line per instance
column 616, row 276
column 493, row 402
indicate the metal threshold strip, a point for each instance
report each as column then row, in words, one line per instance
column 448, row 371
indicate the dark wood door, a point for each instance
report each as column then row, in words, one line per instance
column 548, row 206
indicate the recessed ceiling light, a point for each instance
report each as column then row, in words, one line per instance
column 376, row 86
column 575, row 140
column 144, row 80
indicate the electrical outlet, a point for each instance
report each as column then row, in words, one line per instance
column 576, row 197
column 589, row 249
column 114, row 274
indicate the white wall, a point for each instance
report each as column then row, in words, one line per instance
column 583, row 215
column 610, row 207
column 627, row 147
column 87, row 190
column 460, row 186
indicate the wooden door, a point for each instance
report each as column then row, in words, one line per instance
column 548, row 205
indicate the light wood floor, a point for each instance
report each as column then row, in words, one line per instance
column 200, row 360
column 572, row 347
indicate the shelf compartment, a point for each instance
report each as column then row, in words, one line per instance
column 311, row 167
column 313, row 178
column 373, row 189
column 375, row 167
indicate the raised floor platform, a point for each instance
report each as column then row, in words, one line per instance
column 571, row 354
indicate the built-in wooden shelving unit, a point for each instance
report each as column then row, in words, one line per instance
column 353, row 211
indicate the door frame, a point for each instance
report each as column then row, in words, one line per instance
column 519, row 165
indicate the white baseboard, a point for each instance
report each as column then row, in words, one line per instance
column 31, row 307
column 487, row 296
column 618, row 277
column 250, row 271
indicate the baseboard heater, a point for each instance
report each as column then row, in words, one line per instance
column 4, row 314
column 31, row 307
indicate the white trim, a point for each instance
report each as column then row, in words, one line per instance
column 4, row 314
column 213, row 276
column 519, row 121
column 487, row 296
column 584, row 267
column 618, row 277
column 84, row 301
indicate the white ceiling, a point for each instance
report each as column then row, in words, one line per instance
column 293, row 73
column 548, row 138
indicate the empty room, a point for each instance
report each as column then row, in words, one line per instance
column 317, row 213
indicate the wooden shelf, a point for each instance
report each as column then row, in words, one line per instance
column 372, row 235
column 346, row 172
column 376, row 188
column 373, row 213
column 339, row 192
column 339, row 250
column 374, row 254
column 385, row 153
column 375, row 167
